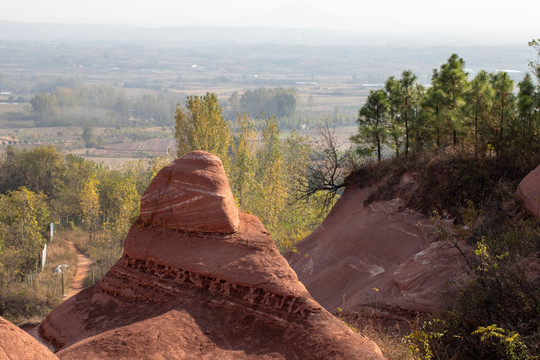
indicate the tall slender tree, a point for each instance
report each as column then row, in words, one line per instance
column 270, row 176
column 527, row 112
column 89, row 199
column 451, row 80
column 503, row 107
column 394, row 96
column 373, row 123
column 408, row 88
column 432, row 105
column 201, row 126
column 243, row 173
column 479, row 99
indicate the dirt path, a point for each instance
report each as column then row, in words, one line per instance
column 83, row 266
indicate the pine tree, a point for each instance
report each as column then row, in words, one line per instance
column 408, row 98
column 503, row 108
column 479, row 98
column 450, row 83
column 432, row 105
column 394, row 96
column 373, row 123
column 527, row 112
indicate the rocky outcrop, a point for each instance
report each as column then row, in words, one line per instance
column 198, row 282
column 191, row 194
column 375, row 256
column 16, row 344
column 528, row 192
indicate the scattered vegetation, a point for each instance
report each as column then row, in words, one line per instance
column 263, row 168
column 466, row 143
column 29, row 298
column 482, row 114
column 41, row 186
column 464, row 146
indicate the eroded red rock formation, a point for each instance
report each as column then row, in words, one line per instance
column 198, row 280
column 18, row 344
column 191, row 194
column 528, row 192
column 377, row 257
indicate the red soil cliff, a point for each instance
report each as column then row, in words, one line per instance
column 376, row 256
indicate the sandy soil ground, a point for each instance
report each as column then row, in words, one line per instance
column 83, row 266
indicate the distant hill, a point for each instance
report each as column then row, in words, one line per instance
column 182, row 35
column 205, row 35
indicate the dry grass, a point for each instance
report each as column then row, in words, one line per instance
column 389, row 339
column 80, row 239
column 29, row 301
column 103, row 252
column 387, row 334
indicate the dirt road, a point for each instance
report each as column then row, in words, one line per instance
column 83, row 266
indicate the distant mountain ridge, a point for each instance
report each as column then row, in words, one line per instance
column 181, row 35
column 206, row 35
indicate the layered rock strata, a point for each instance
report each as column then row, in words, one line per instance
column 198, row 280
column 192, row 194
column 376, row 256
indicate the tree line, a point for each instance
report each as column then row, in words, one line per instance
column 40, row 185
column 276, row 101
column 484, row 114
column 99, row 105
column 263, row 167
column 488, row 134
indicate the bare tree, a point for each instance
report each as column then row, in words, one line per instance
column 329, row 167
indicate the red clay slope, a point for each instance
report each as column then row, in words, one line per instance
column 374, row 256
column 219, row 289
column 528, row 192
column 16, row 344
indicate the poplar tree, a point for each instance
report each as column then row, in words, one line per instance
column 270, row 176
column 243, row 173
column 127, row 198
column 24, row 217
column 201, row 126
column 89, row 200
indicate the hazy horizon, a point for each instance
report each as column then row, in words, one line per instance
column 496, row 23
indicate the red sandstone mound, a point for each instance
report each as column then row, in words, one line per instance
column 528, row 192
column 198, row 280
column 16, row 344
column 192, row 194
column 376, row 256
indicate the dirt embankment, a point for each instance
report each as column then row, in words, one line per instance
column 375, row 256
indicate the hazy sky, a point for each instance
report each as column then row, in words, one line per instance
column 514, row 19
